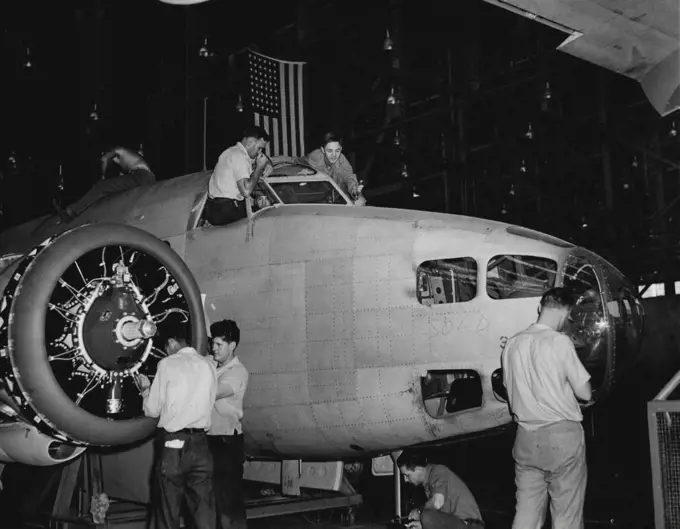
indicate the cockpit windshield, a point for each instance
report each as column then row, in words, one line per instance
column 293, row 170
column 588, row 323
column 310, row 192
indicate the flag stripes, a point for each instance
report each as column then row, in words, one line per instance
column 277, row 96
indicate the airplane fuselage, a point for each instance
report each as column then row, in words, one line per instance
column 339, row 340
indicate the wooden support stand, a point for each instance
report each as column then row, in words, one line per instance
column 80, row 483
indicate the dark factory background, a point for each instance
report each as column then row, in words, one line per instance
column 455, row 106
column 488, row 118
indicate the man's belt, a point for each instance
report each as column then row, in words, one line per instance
column 473, row 522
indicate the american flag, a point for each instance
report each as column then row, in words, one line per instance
column 276, row 93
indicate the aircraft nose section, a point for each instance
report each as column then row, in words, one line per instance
column 590, row 328
column 607, row 322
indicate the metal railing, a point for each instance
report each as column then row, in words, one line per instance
column 663, row 418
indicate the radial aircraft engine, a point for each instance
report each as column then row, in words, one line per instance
column 364, row 329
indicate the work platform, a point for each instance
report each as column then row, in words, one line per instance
column 90, row 493
column 127, row 515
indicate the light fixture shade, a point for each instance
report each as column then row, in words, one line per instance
column 392, row 99
column 387, row 43
column 547, row 94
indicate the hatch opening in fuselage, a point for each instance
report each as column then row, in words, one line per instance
column 446, row 392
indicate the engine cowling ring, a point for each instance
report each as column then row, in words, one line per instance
column 32, row 382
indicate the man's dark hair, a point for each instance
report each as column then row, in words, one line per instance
column 257, row 132
column 558, row 298
column 179, row 333
column 330, row 137
column 227, row 330
column 410, row 459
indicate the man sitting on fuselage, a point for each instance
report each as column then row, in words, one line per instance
column 135, row 172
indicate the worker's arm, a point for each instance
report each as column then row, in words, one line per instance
column 584, row 391
column 153, row 400
column 224, row 388
column 436, row 502
column 228, row 385
column 247, row 185
column 106, row 160
column 577, row 375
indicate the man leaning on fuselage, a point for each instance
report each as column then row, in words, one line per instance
column 329, row 159
column 234, row 179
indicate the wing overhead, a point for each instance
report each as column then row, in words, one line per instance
column 636, row 38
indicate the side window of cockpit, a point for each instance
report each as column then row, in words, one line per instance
column 447, row 281
column 519, row 276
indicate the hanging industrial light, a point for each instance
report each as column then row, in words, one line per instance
column 529, row 134
column 396, row 140
column 504, row 210
column 584, row 222
column 239, row 104
column 141, row 149
column 547, row 94
column 94, row 115
column 523, row 167
column 415, row 192
column 404, row 171
column 392, row 99
column 634, row 163
column 203, row 51
column 387, row 44
column 60, row 187
column 512, row 190
column 673, row 132
column 27, row 61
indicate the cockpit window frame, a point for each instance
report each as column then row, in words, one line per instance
column 270, row 184
column 499, row 289
column 201, row 198
column 472, row 267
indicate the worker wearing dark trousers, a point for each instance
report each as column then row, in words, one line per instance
column 226, row 435
column 181, row 396
column 227, row 451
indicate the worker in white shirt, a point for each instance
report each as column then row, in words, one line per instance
column 235, row 177
column 225, row 436
column 181, row 396
column 544, row 377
